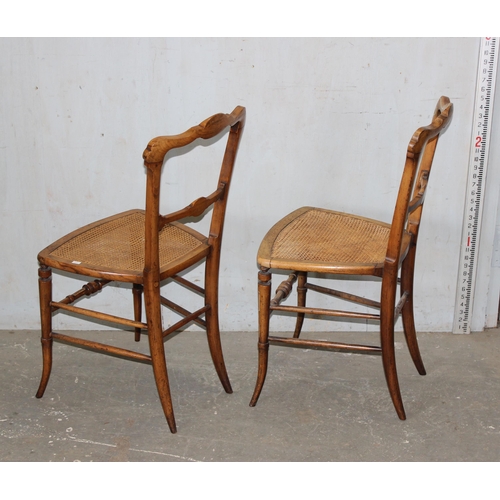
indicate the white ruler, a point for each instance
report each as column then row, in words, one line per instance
column 478, row 162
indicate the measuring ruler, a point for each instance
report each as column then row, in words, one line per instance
column 478, row 162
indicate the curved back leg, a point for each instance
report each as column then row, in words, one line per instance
column 137, row 294
column 212, row 319
column 387, row 342
column 407, row 272
column 301, row 302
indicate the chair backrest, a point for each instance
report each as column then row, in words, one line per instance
column 411, row 196
column 154, row 156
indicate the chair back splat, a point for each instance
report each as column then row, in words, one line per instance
column 147, row 250
column 329, row 243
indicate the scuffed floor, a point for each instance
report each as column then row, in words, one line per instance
column 315, row 405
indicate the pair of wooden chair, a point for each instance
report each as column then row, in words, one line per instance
column 147, row 249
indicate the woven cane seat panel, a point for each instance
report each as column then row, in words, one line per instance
column 119, row 244
column 331, row 237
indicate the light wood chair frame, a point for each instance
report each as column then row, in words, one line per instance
column 397, row 270
column 147, row 283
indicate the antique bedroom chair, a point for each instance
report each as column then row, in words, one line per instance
column 327, row 243
column 145, row 249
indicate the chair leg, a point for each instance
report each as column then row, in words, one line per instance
column 212, row 321
column 387, row 344
column 137, row 294
column 389, row 362
column 45, row 292
column 407, row 311
column 263, row 345
column 301, row 302
column 157, row 349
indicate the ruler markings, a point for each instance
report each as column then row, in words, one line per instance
column 478, row 161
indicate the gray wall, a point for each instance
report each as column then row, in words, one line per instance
column 328, row 122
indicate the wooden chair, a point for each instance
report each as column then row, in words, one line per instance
column 144, row 248
column 324, row 242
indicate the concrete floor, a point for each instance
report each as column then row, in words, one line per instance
column 316, row 406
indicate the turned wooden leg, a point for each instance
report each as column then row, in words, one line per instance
column 387, row 344
column 155, row 337
column 263, row 345
column 137, row 294
column 407, row 311
column 301, row 302
column 212, row 320
column 45, row 294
